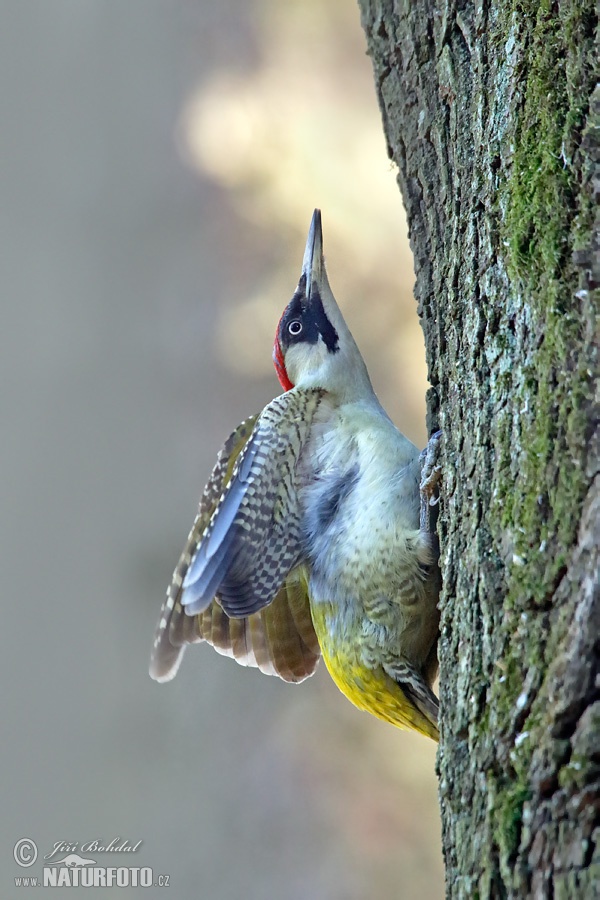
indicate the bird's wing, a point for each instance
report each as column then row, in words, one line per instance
column 243, row 544
column 168, row 643
column 254, row 539
column 279, row 639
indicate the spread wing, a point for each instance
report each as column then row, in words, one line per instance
column 254, row 537
column 279, row 639
column 242, row 546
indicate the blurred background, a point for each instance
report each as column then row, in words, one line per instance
column 159, row 167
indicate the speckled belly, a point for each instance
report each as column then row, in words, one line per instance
column 370, row 689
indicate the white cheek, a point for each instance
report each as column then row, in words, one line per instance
column 304, row 360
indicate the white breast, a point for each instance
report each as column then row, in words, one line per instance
column 360, row 501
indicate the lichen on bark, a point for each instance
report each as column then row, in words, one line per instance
column 491, row 115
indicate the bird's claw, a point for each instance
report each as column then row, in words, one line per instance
column 431, row 476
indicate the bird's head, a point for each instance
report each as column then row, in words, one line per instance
column 313, row 345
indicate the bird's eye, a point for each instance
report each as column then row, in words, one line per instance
column 295, row 327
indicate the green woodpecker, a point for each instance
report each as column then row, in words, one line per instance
column 313, row 537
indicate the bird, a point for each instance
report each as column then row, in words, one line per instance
column 315, row 534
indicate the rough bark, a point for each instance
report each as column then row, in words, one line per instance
column 492, row 116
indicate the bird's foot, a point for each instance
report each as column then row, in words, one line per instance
column 431, row 476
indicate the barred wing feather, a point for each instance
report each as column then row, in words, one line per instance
column 231, row 585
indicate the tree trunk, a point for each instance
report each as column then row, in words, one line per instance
column 491, row 116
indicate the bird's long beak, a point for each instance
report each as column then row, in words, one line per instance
column 313, row 264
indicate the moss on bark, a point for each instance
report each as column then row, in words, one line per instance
column 491, row 115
